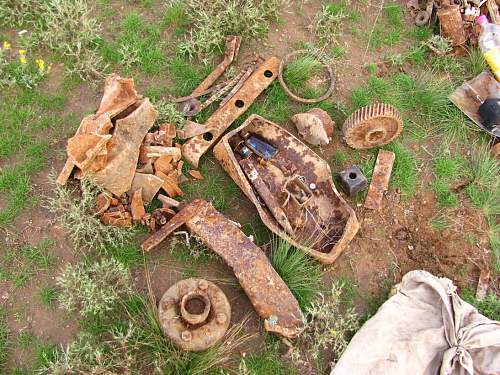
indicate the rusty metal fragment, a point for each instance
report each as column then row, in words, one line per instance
column 119, row 94
column 269, row 295
column 314, row 126
column 137, row 206
column 469, row 96
column 225, row 115
column 83, row 149
column 167, row 202
column 123, row 149
column 191, row 129
column 194, row 314
column 451, row 23
column 233, row 43
column 380, row 179
column 149, row 185
column 300, row 182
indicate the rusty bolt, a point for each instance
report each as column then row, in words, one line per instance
column 203, row 285
column 186, row 335
column 221, row 318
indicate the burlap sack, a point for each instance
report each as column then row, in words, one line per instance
column 425, row 328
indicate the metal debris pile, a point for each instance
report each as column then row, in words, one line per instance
column 119, row 149
column 134, row 160
column 456, row 19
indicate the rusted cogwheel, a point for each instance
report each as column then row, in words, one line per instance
column 195, row 314
column 373, row 125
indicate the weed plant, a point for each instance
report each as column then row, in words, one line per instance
column 212, row 21
column 328, row 22
column 330, row 326
column 93, row 289
column 75, row 212
column 489, row 306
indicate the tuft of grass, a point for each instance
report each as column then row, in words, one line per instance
column 447, row 168
column 47, row 295
column 390, row 29
column 212, row 21
column 18, row 265
column 489, row 307
column 93, row 289
column 185, row 76
column 300, row 272
column 266, row 361
column 168, row 113
column 76, row 214
column 175, row 16
column 299, row 75
column 439, row 222
column 404, row 174
column 27, row 339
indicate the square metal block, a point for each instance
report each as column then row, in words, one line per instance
column 352, row 180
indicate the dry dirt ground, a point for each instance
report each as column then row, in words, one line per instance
column 390, row 242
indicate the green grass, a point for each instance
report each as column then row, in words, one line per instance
column 327, row 23
column 26, row 339
column 18, row 265
column 439, row 222
column 267, row 361
column 4, row 339
column 175, row 16
column 47, row 295
column 489, row 307
column 404, row 174
column 216, row 186
column 300, row 272
column 185, row 76
column 389, row 31
column 447, row 169
column 299, row 74
column 139, row 44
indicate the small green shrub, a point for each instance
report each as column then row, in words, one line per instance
column 93, row 289
column 75, row 212
column 489, row 306
column 330, row 326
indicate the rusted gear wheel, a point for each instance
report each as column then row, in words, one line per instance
column 373, row 125
column 195, row 314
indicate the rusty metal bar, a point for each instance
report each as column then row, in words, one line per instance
column 380, row 179
column 225, row 115
column 267, row 292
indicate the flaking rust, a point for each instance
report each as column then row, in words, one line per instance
column 267, row 292
column 311, row 214
column 225, row 115
column 380, row 179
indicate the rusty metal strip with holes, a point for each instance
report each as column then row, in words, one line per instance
column 380, row 179
column 268, row 293
column 224, row 116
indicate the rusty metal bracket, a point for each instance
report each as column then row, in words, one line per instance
column 380, row 179
column 225, row 115
column 267, row 292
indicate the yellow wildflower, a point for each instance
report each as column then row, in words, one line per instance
column 41, row 65
column 22, row 56
column 6, row 45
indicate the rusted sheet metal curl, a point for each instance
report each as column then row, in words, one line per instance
column 268, row 293
column 225, row 115
column 323, row 223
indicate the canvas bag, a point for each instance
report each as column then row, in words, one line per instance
column 425, row 328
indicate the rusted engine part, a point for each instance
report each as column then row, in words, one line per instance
column 86, row 149
column 267, row 292
column 224, row 116
column 380, row 179
column 295, row 97
column 371, row 126
column 315, row 126
column 322, row 222
column 451, row 23
column 195, row 314
column 470, row 95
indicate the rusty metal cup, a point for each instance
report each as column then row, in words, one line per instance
column 187, row 313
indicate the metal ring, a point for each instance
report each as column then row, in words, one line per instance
column 328, row 92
